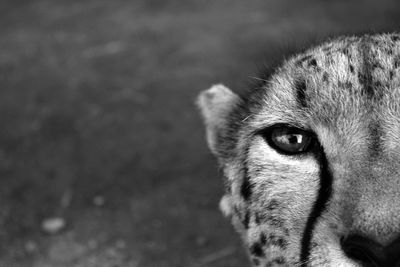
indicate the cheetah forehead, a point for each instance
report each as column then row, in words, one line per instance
column 347, row 85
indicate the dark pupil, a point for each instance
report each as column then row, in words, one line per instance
column 294, row 139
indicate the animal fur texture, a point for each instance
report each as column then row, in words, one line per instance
column 339, row 203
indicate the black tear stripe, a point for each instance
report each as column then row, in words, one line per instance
column 324, row 194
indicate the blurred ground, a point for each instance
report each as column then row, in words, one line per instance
column 99, row 126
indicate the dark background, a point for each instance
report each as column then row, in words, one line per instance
column 97, row 104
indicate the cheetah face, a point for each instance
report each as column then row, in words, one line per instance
column 311, row 158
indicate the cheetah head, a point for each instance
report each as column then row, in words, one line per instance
column 311, row 158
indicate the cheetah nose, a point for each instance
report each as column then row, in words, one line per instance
column 370, row 253
column 363, row 250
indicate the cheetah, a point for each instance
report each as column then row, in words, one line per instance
column 311, row 156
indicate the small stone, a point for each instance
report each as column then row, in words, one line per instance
column 53, row 225
column 30, row 246
column 98, row 201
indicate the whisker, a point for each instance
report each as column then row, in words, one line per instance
column 258, row 79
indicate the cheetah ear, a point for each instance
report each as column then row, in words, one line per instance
column 215, row 105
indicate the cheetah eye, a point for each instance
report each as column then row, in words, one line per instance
column 289, row 140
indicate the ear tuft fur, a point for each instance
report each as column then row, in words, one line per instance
column 215, row 104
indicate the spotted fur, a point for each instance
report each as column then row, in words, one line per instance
column 297, row 210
